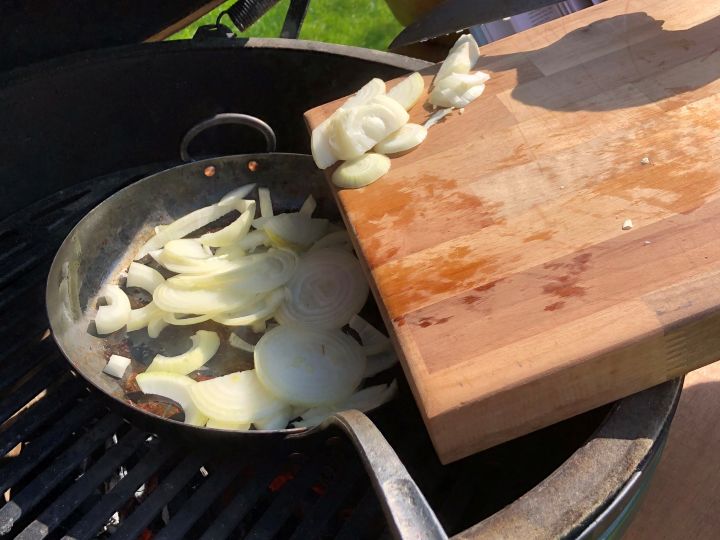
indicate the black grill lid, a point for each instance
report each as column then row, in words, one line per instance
column 33, row 30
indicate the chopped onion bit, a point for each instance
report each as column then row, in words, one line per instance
column 116, row 366
column 204, row 346
column 408, row 91
column 362, row 171
column 266, row 209
column 239, row 343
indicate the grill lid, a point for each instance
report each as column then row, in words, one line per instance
column 37, row 30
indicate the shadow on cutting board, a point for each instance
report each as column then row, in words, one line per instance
column 614, row 63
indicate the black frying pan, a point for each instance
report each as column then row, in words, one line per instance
column 102, row 245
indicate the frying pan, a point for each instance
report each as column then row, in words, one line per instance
column 102, row 245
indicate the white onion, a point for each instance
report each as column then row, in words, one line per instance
column 436, row 117
column 461, row 82
column 380, row 362
column 175, row 387
column 204, row 346
column 308, row 207
column 259, row 273
column 199, row 301
column 408, row 91
column 259, row 326
column 278, row 420
column 254, row 239
column 259, row 311
column 266, row 209
column 338, row 239
column 373, row 340
column 189, row 248
column 195, row 220
column 309, row 366
column 141, row 317
column 194, row 265
column 237, row 397
column 327, row 289
column 363, row 400
column 232, row 233
column 143, row 277
column 116, row 366
column 294, row 230
column 355, row 131
column 362, row 171
column 236, row 197
column 461, row 58
column 374, row 87
column 402, row 140
column 156, row 325
column 115, row 314
column 449, row 97
column 239, row 343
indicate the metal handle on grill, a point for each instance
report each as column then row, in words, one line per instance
column 228, row 118
column 405, row 507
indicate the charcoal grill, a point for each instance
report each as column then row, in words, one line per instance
column 76, row 130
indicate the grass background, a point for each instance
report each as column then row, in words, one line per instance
column 364, row 23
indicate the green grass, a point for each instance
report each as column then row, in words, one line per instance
column 364, row 23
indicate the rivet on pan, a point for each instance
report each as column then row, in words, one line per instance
column 209, row 171
column 252, row 166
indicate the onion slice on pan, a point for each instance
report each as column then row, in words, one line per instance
column 309, row 366
column 258, row 311
column 143, row 277
column 294, row 231
column 373, row 340
column 205, row 345
column 115, row 314
column 175, row 387
column 327, row 289
column 232, row 233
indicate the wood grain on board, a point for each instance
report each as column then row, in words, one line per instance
column 496, row 248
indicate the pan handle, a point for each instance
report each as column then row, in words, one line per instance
column 405, row 507
column 227, row 118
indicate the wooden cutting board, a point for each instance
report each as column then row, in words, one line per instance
column 496, row 248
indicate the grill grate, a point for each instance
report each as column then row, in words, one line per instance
column 69, row 468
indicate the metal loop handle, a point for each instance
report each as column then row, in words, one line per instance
column 405, row 507
column 227, row 118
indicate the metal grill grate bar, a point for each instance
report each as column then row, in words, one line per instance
column 316, row 520
column 234, row 513
column 21, row 396
column 38, row 414
column 123, row 490
column 81, row 489
column 168, row 488
column 200, row 501
column 14, row 369
column 366, row 513
column 61, row 467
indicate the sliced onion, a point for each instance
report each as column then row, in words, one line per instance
column 190, row 248
column 374, row 87
column 141, row 317
column 253, row 240
column 239, row 343
column 278, row 420
column 309, row 366
column 294, row 230
column 449, row 97
column 199, row 301
column 175, row 387
column 237, row 397
column 259, row 273
column 143, row 277
column 338, row 239
column 472, row 45
column 380, row 362
column 308, row 207
column 266, row 209
column 405, row 138
column 186, row 320
column 361, row 172
column 259, row 311
column 461, row 58
column 461, row 82
column 363, row 400
column 115, row 314
column 205, row 345
column 436, row 117
column 355, row 131
column 194, row 265
column 156, row 325
column 259, row 327
column 232, row 252
column 327, row 289
column 220, row 424
column 373, row 340
column 116, row 366
column 194, row 220
column 235, row 198
column 231, row 234
column 320, row 148
column 408, row 91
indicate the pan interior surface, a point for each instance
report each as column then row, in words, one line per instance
column 102, row 245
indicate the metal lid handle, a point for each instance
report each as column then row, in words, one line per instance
column 227, row 118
